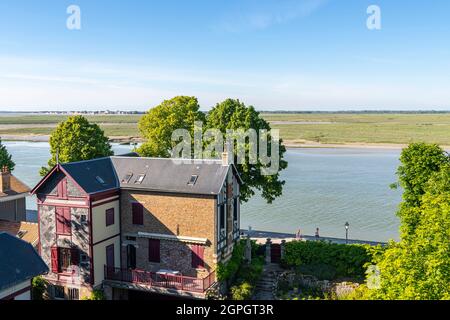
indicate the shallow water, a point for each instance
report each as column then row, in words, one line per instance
column 324, row 188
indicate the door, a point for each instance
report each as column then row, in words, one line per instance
column 110, row 256
column 275, row 253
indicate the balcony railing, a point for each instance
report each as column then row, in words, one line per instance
column 155, row 279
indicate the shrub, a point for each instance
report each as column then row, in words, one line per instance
column 38, row 285
column 242, row 292
column 96, row 295
column 329, row 260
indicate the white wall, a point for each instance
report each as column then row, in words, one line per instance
column 99, row 229
column 100, row 258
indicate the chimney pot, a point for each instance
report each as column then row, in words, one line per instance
column 5, row 179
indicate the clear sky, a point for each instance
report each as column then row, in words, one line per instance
column 273, row 54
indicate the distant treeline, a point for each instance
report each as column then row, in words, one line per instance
column 362, row 112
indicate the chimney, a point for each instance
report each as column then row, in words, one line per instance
column 226, row 161
column 5, row 180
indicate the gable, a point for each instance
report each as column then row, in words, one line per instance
column 49, row 184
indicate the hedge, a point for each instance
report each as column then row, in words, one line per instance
column 327, row 260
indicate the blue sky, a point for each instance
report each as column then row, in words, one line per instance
column 275, row 55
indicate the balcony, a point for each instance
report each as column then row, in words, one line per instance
column 158, row 280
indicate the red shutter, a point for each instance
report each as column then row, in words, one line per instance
column 59, row 220
column 67, row 221
column 54, row 258
column 138, row 213
column 154, row 248
column 197, row 256
column 74, row 257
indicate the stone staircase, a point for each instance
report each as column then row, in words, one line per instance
column 266, row 286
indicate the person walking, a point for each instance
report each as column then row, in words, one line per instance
column 317, row 234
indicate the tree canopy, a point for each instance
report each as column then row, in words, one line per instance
column 75, row 140
column 235, row 115
column 418, row 267
column 5, row 158
column 158, row 124
column 182, row 112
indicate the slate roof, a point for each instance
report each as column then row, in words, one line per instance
column 93, row 176
column 171, row 175
column 159, row 174
column 18, row 261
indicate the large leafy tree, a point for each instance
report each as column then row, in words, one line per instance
column 418, row 267
column 235, row 115
column 5, row 158
column 75, row 140
column 418, row 163
column 158, row 124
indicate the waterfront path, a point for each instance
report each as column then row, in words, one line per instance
column 276, row 237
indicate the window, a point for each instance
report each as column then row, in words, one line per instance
column 83, row 219
column 235, row 209
column 73, row 294
column 64, row 259
column 109, row 217
column 137, row 213
column 63, row 221
column 154, row 247
column 131, row 257
column 222, row 217
column 197, row 257
column 140, row 179
column 58, row 292
column 127, row 177
column 193, row 180
column 84, row 259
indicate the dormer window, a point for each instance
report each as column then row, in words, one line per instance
column 140, row 179
column 193, row 180
column 127, row 177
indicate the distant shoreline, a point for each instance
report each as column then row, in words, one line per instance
column 288, row 144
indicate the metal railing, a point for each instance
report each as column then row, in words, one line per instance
column 155, row 279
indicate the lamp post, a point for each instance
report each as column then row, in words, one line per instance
column 346, row 232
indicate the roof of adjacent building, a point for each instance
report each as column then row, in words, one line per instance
column 17, row 187
column 149, row 174
column 171, row 175
column 19, row 261
column 27, row 231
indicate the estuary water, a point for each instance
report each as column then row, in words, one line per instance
column 324, row 188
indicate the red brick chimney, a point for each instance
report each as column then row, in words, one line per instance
column 5, row 180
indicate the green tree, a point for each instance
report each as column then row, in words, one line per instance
column 233, row 114
column 158, row 124
column 75, row 140
column 418, row 163
column 418, row 267
column 5, row 158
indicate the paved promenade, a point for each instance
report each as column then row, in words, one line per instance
column 276, row 237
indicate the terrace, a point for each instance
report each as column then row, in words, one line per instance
column 159, row 282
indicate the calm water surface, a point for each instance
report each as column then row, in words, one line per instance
column 324, row 188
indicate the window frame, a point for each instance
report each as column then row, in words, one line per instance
column 110, row 217
column 137, row 217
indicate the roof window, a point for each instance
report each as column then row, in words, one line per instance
column 193, row 180
column 100, row 180
column 127, row 177
column 139, row 179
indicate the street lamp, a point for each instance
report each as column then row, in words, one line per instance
column 346, row 232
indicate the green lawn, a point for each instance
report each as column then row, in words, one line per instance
column 324, row 128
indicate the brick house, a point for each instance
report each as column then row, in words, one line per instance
column 128, row 223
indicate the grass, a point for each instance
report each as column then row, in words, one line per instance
column 323, row 128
